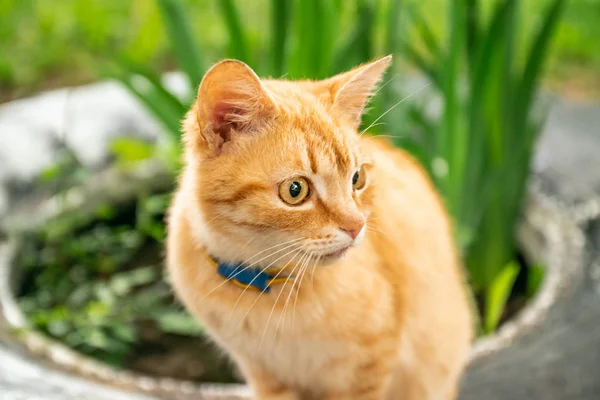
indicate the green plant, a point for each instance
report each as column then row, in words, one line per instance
column 93, row 284
column 293, row 46
column 479, row 150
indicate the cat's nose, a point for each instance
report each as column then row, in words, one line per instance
column 353, row 228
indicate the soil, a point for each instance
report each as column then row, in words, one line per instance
column 180, row 357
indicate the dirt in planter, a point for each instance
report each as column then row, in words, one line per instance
column 180, row 357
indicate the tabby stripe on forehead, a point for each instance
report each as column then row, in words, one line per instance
column 334, row 147
column 241, row 194
column 312, row 159
column 341, row 156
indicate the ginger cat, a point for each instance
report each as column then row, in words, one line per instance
column 367, row 302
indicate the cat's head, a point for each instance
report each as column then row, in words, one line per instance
column 274, row 169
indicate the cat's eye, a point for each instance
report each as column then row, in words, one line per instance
column 294, row 191
column 359, row 179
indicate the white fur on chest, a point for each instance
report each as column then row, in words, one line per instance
column 294, row 345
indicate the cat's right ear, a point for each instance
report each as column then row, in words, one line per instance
column 231, row 102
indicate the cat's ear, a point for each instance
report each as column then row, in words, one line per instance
column 231, row 101
column 351, row 91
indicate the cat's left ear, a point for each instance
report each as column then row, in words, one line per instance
column 352, row 90
column 231, row 102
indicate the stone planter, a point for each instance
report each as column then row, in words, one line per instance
column 546, row 235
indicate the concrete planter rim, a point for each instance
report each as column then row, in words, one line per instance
column 544, row 225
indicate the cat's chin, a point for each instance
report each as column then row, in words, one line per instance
column 333, row 257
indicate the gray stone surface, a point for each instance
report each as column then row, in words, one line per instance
column 568, row 156
column 23, row 379
column 84, row 120
column 559, row 361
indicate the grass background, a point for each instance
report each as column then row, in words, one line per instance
column 46, row 44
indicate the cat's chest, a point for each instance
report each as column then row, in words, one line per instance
column 294, row 343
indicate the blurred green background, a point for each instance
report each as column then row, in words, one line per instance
column 52, row 43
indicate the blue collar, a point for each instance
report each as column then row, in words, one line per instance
column 249, row 278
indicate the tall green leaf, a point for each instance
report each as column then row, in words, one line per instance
column 497, row 295
column 280, row 10
column 393, row 30
column 238, row 43
column 153, row 97
column 535, row 60
column 187, row 50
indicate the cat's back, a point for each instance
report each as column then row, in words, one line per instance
column 412, row 235
column 405, row 194
column 410, row 222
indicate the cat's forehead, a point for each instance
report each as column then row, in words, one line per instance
column 317, row 149
column 314, row 137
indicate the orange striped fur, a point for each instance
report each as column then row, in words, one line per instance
column 377, row 309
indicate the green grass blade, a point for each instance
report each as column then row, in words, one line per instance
column 329, row 23
column 280, row 11
column 497, row 295
column 473, row 33
column 452, row 143
column 480, row 136
column 427, row 67
column 365, row 44
column 393, row 42
column 535, row 61
column 169, row 98
column 507, row 100
column 238, row 43
column 355, row 48
column 302, row 55
column 187, row 50
column 153, row 97
column 419, row 119
column 425, row 33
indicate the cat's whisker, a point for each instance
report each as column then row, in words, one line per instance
column 296, row 240
column 256, row 277
column 244, row 269
column 275, row 277
column 388, row 136
column 377, row 124
column 262, row 338
column 302, row 273
column 394, row 106
column 372, row 219
column 316, row 298
column 285, row 307
column 381, row 87
column 300, row 277
column 312, row 283
column 374, row 230
column 385, row 84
